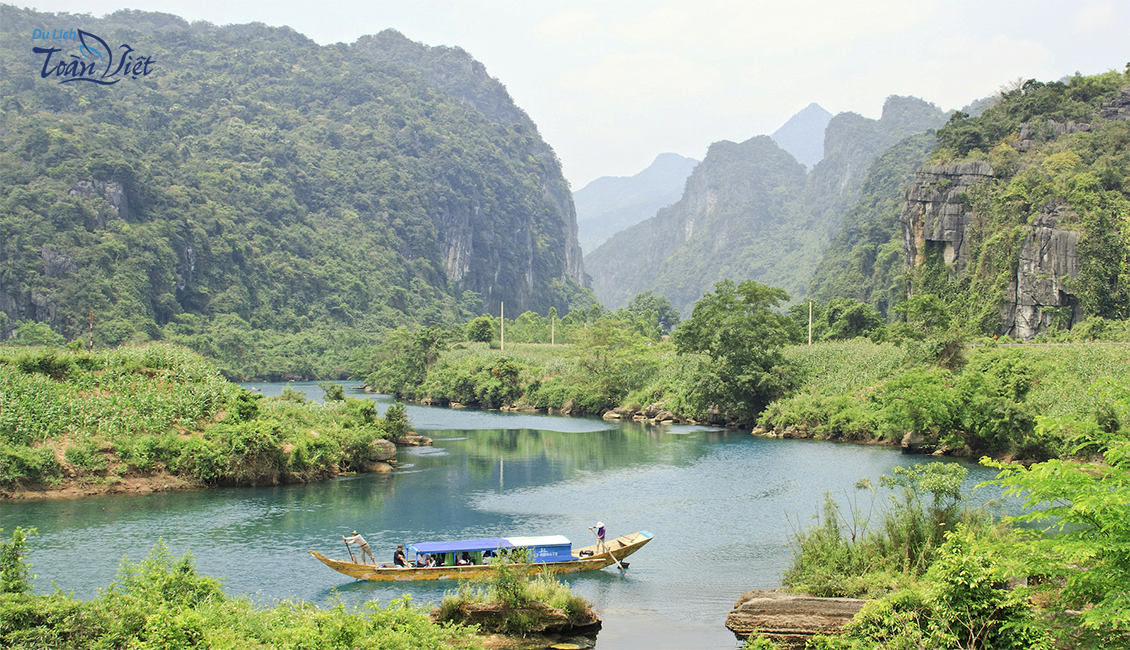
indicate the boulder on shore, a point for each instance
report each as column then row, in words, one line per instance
column 790, row 618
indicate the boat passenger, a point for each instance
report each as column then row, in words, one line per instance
column 463, row 559
column 398, row 558
column 360, row 541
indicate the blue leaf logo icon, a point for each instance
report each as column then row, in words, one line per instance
column 85, row 47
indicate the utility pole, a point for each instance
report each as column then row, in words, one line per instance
column 502, row 325
column 552, row 322
column 90, row 345
column 810, row 322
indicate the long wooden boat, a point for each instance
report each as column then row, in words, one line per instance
column 552, row 554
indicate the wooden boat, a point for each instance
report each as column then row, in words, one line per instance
column 553, row 554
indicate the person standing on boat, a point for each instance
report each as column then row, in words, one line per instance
column 399, row 559
column 362, row 544
column 599, row 528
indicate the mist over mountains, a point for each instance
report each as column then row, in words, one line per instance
column 751, row 211
column 610, row 204
column 803, row 134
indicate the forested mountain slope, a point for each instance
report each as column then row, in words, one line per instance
column 269, row 202
column 610, row 204
column 750, row 212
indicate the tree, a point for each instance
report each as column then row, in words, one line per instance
column 647, row 302
column 481, row 329
column 33, row 333
column 1085, row 511
column 738, row 329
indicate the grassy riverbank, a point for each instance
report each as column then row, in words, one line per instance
column 160, row 417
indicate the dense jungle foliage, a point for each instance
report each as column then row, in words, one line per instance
column 270, row 203
column 162, row 602
column 69, row 417
column 865, row 260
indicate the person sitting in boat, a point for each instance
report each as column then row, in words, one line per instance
column 425, row 560
column 364, row 546
column 399, row 559
column 463, row 560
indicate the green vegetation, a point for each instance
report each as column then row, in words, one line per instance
column 865, row 261
column 515, row 600
column 989, row 402
column 1079, row 179
column 272, row 217
column 1056, row 581
column 600, row 360
column 97, row 417
column 1076, row 179
column 751, row 212
column 944, row 576
column 162, row 603
column 736, row 328
column 841, row 555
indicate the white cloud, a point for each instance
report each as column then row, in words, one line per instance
column 741, row 26
column 1097, row 18
column 569, row 26
column 636, row 79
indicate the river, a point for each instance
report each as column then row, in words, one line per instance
column 721, row 504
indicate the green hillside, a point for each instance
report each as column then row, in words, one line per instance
column 269, row 202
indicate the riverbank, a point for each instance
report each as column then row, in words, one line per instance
column 972, row 402
column 159, row 418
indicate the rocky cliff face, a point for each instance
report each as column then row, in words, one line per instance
column 936, row 214
column 937, row 217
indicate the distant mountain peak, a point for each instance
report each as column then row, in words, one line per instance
column 803, row 134
column 610, row 204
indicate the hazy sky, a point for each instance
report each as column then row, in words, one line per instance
column 611, row 84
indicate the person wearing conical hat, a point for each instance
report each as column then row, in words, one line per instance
column 364, row 546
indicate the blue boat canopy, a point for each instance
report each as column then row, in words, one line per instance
column 548, row 548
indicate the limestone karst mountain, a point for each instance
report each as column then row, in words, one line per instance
column 803, row 134
column 751, row 212
column 270, row 202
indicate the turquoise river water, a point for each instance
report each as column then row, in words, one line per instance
column 721, row 504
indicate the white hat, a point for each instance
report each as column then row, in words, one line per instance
column 600, row 524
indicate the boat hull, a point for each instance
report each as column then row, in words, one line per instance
column 618, row 548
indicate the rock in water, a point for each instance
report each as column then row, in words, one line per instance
column 788, row 617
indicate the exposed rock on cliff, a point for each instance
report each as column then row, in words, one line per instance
column 1048, row 265
column 470, row 238
column 935, row 211
column 790, row 618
